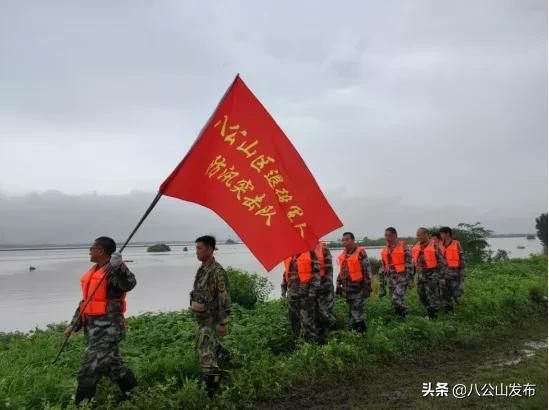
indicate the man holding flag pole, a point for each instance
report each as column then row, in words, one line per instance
column 101, row 315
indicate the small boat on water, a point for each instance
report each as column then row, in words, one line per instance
column 521, row 247
column 31, row 268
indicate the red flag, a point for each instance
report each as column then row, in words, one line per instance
column 244, row 168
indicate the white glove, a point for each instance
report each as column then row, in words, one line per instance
column 116, row 260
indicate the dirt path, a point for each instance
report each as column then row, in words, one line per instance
column 517, row 355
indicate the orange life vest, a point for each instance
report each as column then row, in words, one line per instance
column 304, row 268
column 451, row 254
column 98, row 303
column 353, row 264
column 319, row 250
column 429, row 254
column 398, row 259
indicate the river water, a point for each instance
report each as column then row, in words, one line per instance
column 50, row 294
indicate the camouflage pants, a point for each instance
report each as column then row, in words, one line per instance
column 208, row 346
column 461, row 287
column 427, row 289
column 102, row 355
column 325, row 306
column 301, row 309
column 355, row 304
column 449, row 292
column 398, row 283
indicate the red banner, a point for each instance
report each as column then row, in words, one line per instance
column 244, row 168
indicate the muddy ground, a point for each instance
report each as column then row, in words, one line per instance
column 511, row 355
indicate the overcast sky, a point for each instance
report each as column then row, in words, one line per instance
column 408, row 113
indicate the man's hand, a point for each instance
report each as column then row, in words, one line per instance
column 222, row 329
column 67, row 332
column 116, row 260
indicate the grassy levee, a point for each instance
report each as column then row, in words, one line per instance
column 266, row 359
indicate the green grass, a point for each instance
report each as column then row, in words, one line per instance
column 266, row 358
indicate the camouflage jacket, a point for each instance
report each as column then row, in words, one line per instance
column 351, row 289
column 210, row 295
column 119, row 281
column 294, row 288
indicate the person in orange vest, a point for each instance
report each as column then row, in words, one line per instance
column 325, row 297
column 456, row 272
column 103, row 320
column 430, row 268
column 436, row 237
column 397, row 268
column 354, row 280
column 301, row 285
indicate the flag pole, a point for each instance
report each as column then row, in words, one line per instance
column 147, row 212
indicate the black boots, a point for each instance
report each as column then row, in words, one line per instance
column 83, row 393
column 400, row 311
column 127, row 383
column 359, row 327
column 212, row 384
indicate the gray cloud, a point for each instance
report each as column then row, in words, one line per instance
column 438, row 104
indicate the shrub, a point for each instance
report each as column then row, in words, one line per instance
column 247, row 289
column 159, row 247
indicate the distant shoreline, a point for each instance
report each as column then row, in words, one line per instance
column 189, row 243
column 69, row 247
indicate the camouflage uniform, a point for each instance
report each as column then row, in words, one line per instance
column 211, row 303
column 325, row 297
column 355, row 292
column 428, row 281
column 398, row 282
column 454, row 279
column 103, row 334
column 302, row 299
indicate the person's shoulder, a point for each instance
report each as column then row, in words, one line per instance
column 218, row 269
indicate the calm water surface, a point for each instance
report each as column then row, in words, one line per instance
column 51, row 293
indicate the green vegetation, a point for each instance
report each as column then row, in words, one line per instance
column 266, row 358
column 541, row 226
column 473, row 239
column 159, row 247
column 247, row 289
column 521, row 358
